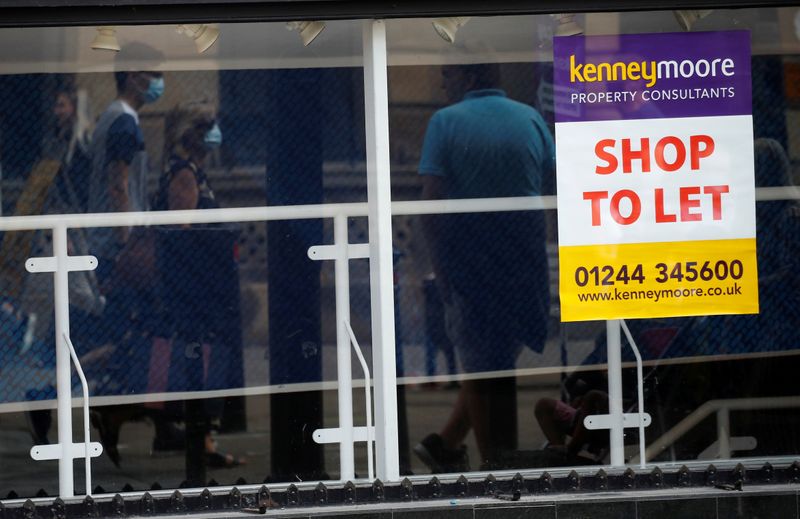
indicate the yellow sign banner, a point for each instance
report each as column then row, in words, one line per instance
column 661, row 279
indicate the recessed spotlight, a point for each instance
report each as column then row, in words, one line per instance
column 308, row 30
column 204, row 36
column 106, row 39
column 447, row 28
column 567, row 26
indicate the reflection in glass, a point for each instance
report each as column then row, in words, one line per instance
column 688, row 361
column 176, row 312
column 292, row 119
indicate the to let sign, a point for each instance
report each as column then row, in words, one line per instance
column 656, row 194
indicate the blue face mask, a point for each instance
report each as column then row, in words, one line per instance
column 154, row 90
column 213, row 138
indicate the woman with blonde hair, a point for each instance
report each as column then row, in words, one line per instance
column 191, row 134
column 191, row 323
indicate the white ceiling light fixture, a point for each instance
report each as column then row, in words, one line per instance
column 106, row 39
column 687, row 17
column 308, row 30
column 567, row 26
column 447, row 28
column 204, row 36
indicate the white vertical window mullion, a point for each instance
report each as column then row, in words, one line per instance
column 376, row 99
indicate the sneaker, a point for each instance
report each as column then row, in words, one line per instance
column 440, row 459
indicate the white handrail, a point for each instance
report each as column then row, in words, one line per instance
column 640, row 383
column 271, row 213
column 368, row 398
column 60, row 223
column 192, row 216
column 86, row 429
column 301, row 212
column 712, row 406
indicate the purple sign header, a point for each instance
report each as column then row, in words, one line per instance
column 652, row 76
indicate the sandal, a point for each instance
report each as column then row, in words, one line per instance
column 216, row 460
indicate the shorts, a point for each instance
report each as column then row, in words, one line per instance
column 565, row 417
column 497, row 264
column 479, row 348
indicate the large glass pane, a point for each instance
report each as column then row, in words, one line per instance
column 209, row 347
column 507, row 386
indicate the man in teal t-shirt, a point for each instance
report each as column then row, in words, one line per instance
column 486, row 146
column 491, row 268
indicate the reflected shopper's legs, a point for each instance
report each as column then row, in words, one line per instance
column 485, row 406
column 555, row 418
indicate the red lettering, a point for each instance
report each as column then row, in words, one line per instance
column 696, row 153
column 689, row 203
column 629, row 155
column 595, row 197
column 636, row 206
column 699, row 147
column 602, row 154
column 680, row 157
column 662, row 217
column 716, row 193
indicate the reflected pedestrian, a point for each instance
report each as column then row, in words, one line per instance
column 491, row 268
column 191, row 317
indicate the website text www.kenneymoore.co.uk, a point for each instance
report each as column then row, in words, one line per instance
column 660, row 294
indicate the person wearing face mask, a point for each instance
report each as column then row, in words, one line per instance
column 118, row 183
column 182, row 327
column 120, row 163
column 189, row 257
column 191, row 134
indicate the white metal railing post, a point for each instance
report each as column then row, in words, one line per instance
column 376, row 109
column 90, row 450
column 616, row 421
column 615, row 411
column 341, row 252
column 343, row 355
column 60, row 264
column 639, row 392
column 367, row 401
column 66, row 487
